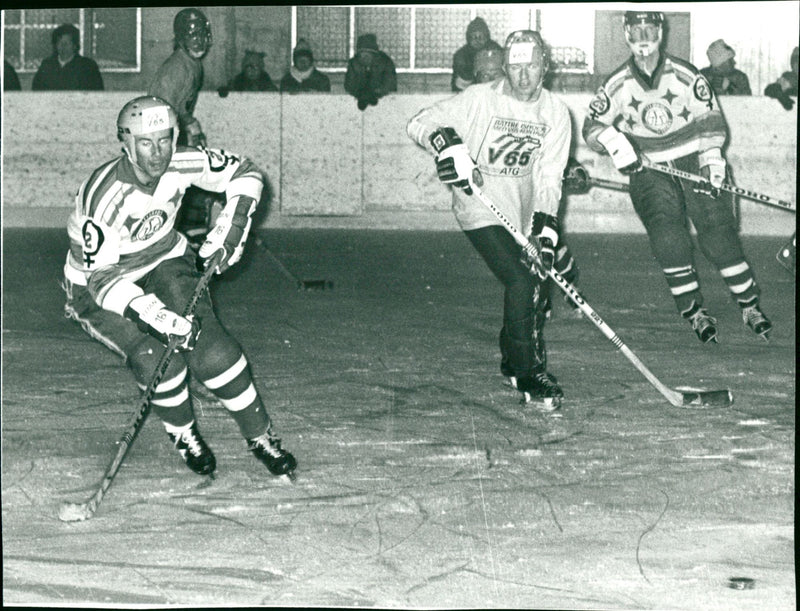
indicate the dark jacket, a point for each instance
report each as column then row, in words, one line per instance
column 317, row 81
column 262, row 83
column 10, row 78
column 733, row 83
column 464, row 65
column 79, row 73
column 370, row 82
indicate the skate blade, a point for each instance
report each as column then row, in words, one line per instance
column 543, row 404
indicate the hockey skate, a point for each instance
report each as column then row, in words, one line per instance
column 542, row 390
column 194, row 451
column 703, row 324
column 754, row 318
column 267, row 448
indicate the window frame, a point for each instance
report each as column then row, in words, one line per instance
column 87, row 26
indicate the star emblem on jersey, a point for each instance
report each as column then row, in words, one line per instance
column 669, row 96
column 630, row 121
column 634, row 103
column 685, row 114
column 656, row 117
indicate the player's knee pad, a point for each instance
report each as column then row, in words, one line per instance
column 216, row 350
column 144, row 358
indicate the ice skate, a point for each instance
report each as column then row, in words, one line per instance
column 267, row 448
column 194, row 451
column 754, row 318
column 703, row 324
column 542, row 390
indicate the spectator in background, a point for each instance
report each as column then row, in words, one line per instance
column 724, row 78
column 488, row 65
column 302, row 74
column 478, row 38
column 10, row 78
column 370, row 72
column 253, row 76
column 66, row 68
column 785, row 86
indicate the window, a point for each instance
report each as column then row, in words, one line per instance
column 424, row 38
column 110, row 36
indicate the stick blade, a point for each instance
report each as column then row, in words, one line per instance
column 74, row 512
column 707, row 398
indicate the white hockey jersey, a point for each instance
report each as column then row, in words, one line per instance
column 520, row 147
column 121, row 229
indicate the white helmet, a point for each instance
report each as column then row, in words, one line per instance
column 145, row 115
column 647, row 46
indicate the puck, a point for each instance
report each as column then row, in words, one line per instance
column 741, row 583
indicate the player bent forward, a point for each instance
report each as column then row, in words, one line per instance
column 664, row 107
column 129, row 272
column 516, row 138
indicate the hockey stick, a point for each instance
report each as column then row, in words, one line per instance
column 608, row 184
column 759, row 197
column 75, row 512
column 300, row 284
column 675, row 397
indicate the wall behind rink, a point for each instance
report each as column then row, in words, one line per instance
column 330, row 165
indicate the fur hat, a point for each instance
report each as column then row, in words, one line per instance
column 367, row 42
column 719, row 52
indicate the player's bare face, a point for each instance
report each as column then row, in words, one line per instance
column 196, row 43
column 153, row 154
column 477, row 39
column 526, row 79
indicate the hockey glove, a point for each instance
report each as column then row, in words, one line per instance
column 775, row 90
column 453, row 163
column 545, row 232
column 194, row 134
column 230, row 233
column 154, row 318
column 712, row 168
column 576, row 178
column 623, row 151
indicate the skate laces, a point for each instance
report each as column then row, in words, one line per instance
column 702, row 319
column 545, row 380
column 192, row 441
column 268, row 443
column 753, row 316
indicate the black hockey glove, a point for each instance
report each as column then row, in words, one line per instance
column 544, row 232
column 453, row 164
column 576, row 178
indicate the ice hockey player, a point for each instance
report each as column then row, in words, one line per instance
column 489, row 67
column 129, row 274
column 178, row 81
column 510, row 137
column 662, row 107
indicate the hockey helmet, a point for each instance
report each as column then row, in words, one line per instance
column 192, row 32
column 145, row 115
column 523, row 46
column 643, row 41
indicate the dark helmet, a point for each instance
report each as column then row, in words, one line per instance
column 644, row 47
column 192, row 32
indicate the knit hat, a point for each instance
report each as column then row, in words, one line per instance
column 478, row 24
column 300, row 51
column 367, row 42
column 719, row 52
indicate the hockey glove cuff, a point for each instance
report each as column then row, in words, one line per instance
column 576, row 178
column 230, row 233
column 453, row 163
column 154, row 318
column 623, row 151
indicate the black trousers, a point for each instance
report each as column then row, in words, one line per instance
column 521, row 341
